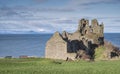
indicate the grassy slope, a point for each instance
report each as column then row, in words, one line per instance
column 99, row 53
column 45, row 66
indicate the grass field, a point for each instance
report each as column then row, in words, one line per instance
column 47, row 66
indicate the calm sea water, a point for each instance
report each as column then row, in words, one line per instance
column 34, row 44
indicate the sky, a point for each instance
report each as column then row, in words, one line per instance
column 48, row 16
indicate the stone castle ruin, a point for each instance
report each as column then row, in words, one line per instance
column 78, row 45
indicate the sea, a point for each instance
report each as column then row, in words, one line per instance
column 16, row 45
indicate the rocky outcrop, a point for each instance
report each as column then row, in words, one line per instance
column 111, row 51
column 78, row 45
column 107, row 52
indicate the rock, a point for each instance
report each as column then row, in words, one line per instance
column 113, row 51
column 69, row 59
column 8, row 57
column 82, row 54
column 107, row 52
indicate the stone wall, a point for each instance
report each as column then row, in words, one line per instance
column 56, row 47
column 86, row 37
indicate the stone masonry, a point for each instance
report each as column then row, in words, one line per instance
column 78, row 45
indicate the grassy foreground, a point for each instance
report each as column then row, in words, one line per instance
column 46, row 66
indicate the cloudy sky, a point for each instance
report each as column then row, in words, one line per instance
column 56, row 15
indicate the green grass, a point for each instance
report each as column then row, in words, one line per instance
column 47, row 66
column 99, row 53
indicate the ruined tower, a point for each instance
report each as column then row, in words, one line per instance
column 85, row 39
column 82, row 26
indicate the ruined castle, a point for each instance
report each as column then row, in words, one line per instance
column 80, row 44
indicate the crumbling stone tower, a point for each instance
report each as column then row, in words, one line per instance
column 96, row 28
column 83, row 24
column 72, row 45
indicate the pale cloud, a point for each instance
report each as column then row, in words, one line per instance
column 92, row 2
column 47, row 24
column 88, row 4
column 51, row 19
